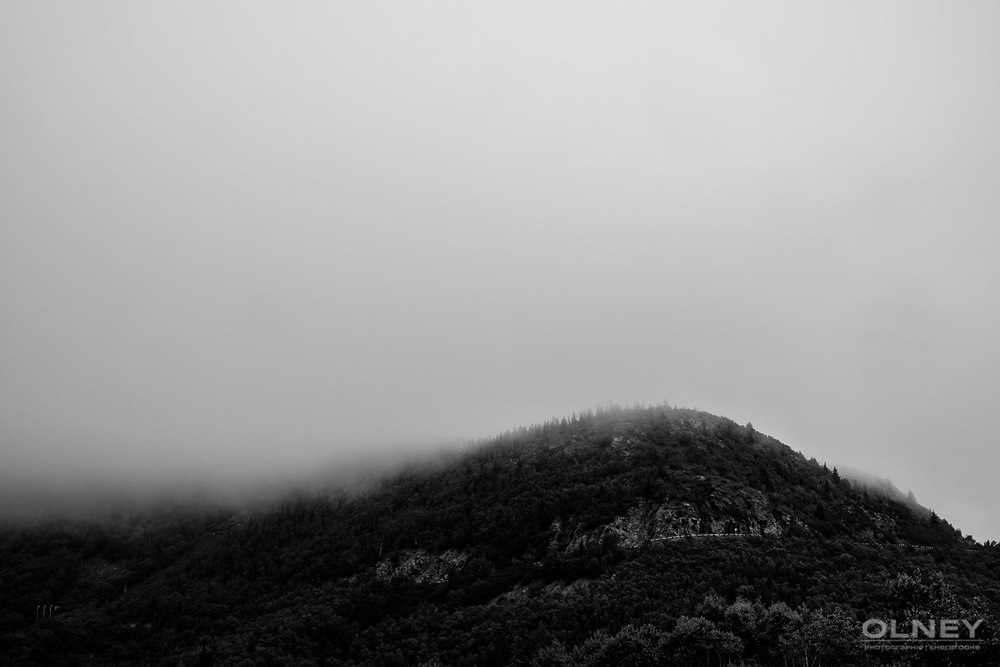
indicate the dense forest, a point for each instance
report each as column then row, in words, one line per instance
column 621, row 536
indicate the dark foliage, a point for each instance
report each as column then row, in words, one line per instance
column 618, row 537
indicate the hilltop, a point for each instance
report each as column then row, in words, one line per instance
column 618, row 536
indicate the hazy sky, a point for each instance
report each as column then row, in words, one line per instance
column 243, row 236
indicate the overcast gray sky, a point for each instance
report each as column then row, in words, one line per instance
column 243, row 236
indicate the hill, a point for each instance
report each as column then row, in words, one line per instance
column 622, row 536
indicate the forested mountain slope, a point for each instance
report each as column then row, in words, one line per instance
column 622, row 536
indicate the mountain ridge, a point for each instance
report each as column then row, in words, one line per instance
column 616, row 525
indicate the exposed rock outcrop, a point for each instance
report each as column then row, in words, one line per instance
column 421, row 565
column 648, row 523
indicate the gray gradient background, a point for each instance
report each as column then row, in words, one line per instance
column 244, row 238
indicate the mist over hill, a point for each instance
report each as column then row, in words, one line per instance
column 669, row 535
column 96, row 496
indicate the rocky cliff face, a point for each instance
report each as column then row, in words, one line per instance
column 647, row 523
